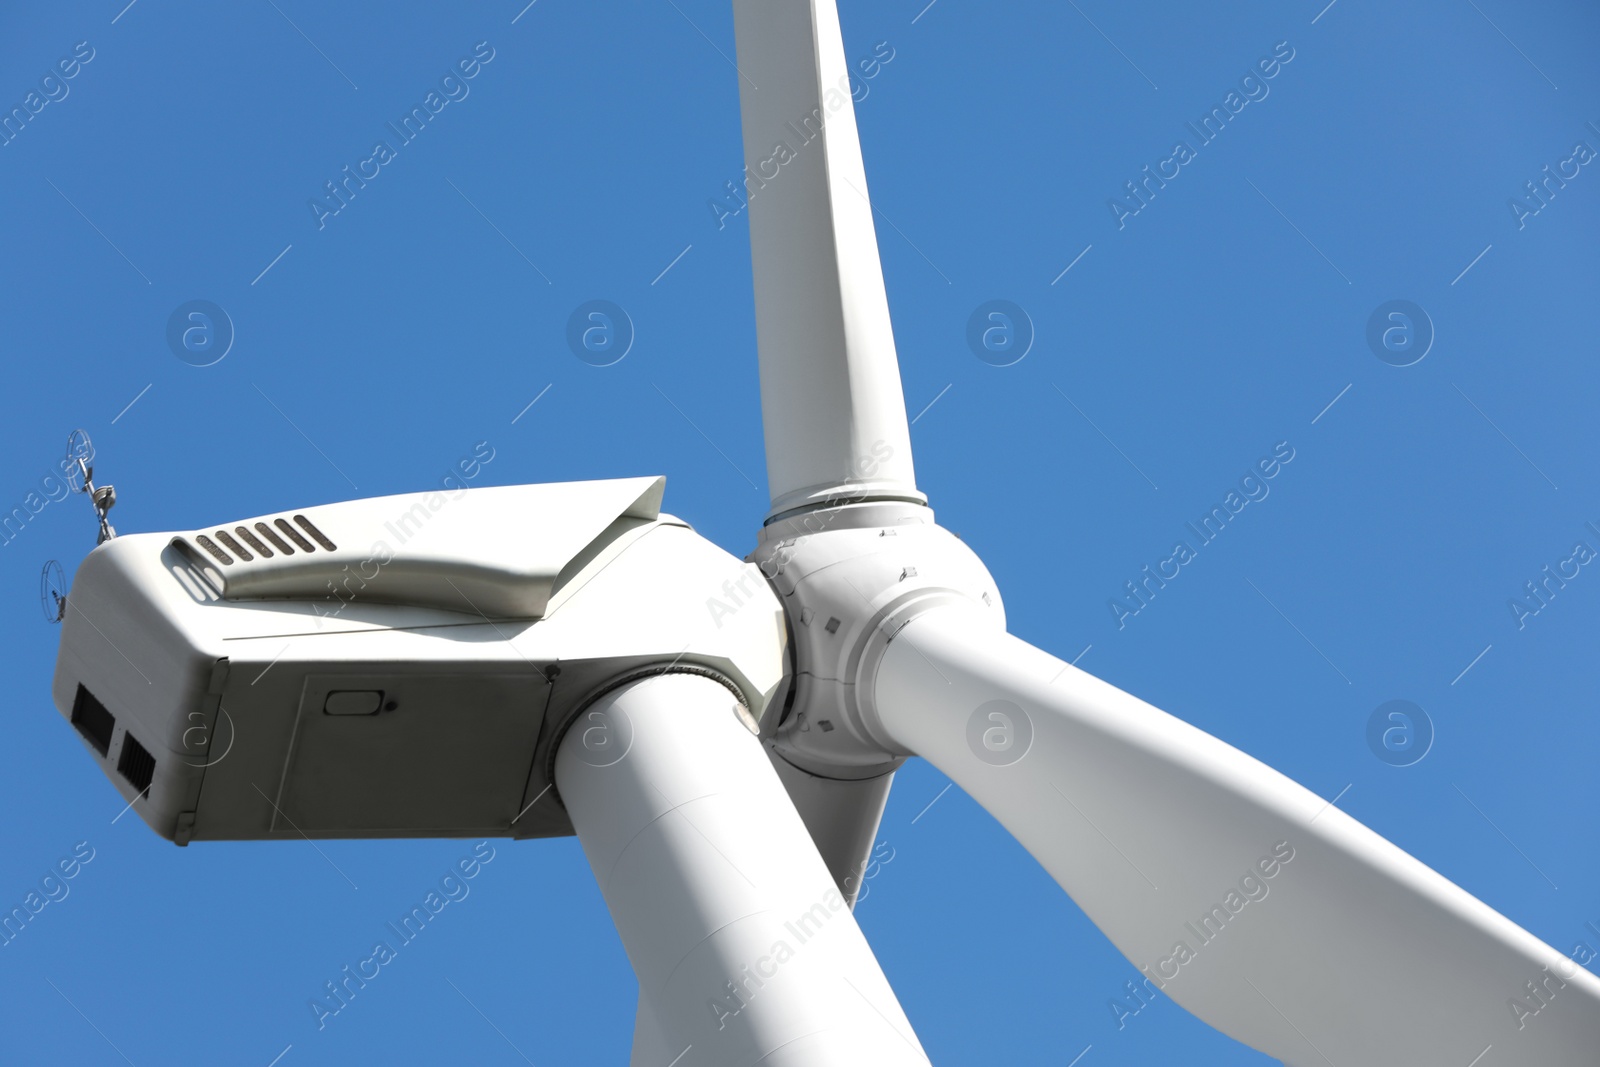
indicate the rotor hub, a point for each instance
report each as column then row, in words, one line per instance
column 850, row 578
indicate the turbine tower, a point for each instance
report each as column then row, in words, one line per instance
column 512, row 662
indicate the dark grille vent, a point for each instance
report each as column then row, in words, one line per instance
column 135, row 764
column 211, row 547
column 253, row 541
column 239, row 550
column 277, row 542
column 93, row 721
column 294, row 535
column 220, row 552
column 321, row 538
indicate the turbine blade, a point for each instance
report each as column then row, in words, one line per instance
column 842, row 817
column 743, row 947
column 831, row 403
column 1258, row 906
column 650, row 1047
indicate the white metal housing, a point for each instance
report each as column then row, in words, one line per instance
column 393, row 702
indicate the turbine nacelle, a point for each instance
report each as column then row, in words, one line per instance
column 392, row 667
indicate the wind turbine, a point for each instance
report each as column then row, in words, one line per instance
column 538, row 660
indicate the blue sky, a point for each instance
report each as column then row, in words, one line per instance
column 1186, row 341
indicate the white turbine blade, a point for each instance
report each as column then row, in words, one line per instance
column 744, row 949
column 1260, row 907
column 831, row 403
column 842, row 817
column 650, row 1047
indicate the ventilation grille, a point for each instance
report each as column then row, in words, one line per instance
column 277, row 542
column 294, row 535
column 239, row 550
column 135, row 764
column 317, row 535
column 93, row 721
column 216, row 553
column 231, row 546
column 253, row 541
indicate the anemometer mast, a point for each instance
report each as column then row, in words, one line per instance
column 79, row 451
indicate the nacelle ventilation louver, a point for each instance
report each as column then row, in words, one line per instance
column 248, row 537
column 93, row 721
column 136, row 764
column 482, row 552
